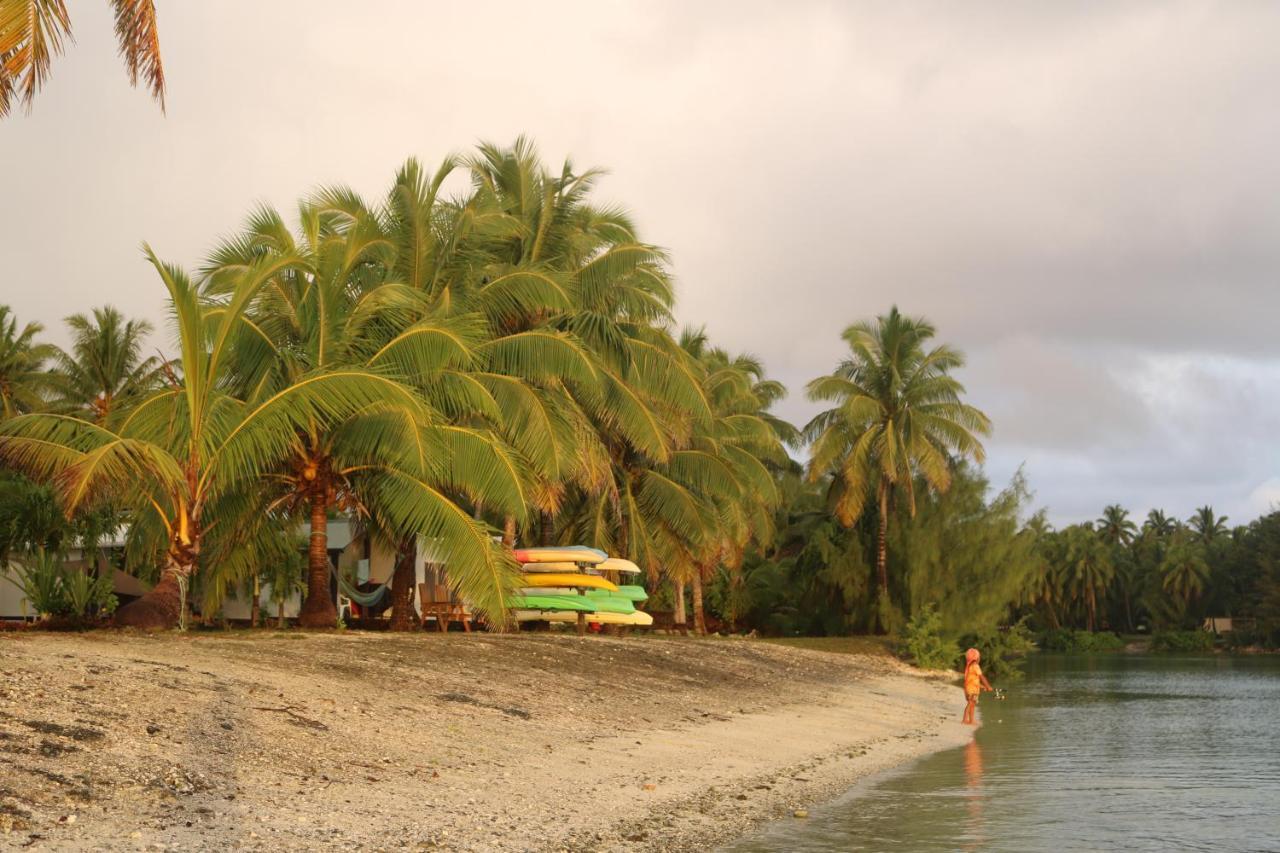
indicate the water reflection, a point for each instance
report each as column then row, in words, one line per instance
column 974, row 796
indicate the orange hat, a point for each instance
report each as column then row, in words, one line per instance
column 972, row 655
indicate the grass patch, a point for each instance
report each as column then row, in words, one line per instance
column 873, row 646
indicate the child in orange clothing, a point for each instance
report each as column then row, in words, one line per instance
column 974, row 681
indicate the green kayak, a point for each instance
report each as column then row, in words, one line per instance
column 629, row 592
column 610, row 602
column 571, row 603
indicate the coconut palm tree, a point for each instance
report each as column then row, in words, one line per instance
column 1158, row 524
column 1208, row 525
column 1089, row 569
column 178, row 454
column 24, row 380
column 32, row 32
column 377, row 291
column 1184, row 571
column 897, row 414
column 105, row 367
column 1115, row 527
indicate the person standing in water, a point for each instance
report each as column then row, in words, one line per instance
column 974, row 682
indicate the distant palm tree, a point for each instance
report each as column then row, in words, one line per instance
column 105, row 367
column 897, row 416
column 1115, row 527
column 1207, row 524
column 1184, row 570
column 24, row 382
column 1090, row 569
column 1158, row 524
column 32, row 33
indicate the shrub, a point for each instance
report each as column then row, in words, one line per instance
column 1002, row 649
column 1079, row 642
column 1182, row 641
column 54, row 590
column 923, row 644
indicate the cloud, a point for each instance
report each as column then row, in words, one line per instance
column 1081, row 196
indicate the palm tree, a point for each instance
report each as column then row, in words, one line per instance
column 1158, row 524
column 1089, row 569
column 32, row 32
column 1184, row 570
column 1115, row 527
column 731, row 461
column 1208, row 525
column 897, row 415
column 363, row 297
column 105, row 368
column 181, row 453
column 24, row 381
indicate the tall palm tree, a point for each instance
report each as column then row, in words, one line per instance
column 1208, row 525
column 897, row 415
column 180, row 453
column 24, row 379
column 32, row 32
column 105, row 368
column 1115, row 527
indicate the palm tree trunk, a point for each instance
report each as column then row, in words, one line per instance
column 509, row 531
column 318, row 610
column 547, row 530
column 162, row 606
column 255, row 606
column 1089, row 611
column 882, row 543
column 699, row 618
column 403, row 617
column 882, row 554
column 280, row 613
column 677, row 617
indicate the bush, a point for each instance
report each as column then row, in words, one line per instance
column 55, row 590
column 1079, row 642
column 1002, row 649
column 923, row 644
column 1182, row 641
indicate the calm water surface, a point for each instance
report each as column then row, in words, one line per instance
column 1107, row 753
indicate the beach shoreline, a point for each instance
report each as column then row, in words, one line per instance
column 482, row 742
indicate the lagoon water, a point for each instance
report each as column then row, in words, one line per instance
column 1118, row 752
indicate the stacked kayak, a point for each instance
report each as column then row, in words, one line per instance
column 568, row 585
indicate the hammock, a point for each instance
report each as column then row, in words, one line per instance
column 364, row 599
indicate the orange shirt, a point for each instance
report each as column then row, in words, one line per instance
column 972, row 678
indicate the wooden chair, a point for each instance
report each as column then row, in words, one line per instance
column 439, row 604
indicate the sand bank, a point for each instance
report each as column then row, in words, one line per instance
column 482, row 742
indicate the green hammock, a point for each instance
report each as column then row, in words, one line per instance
column 364, row 599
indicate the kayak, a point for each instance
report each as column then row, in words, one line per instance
column 559, row 555
column 630, row 593
column 638, row 619
column 558, row 603
column 557, row 566
column 579, row 581
column 617, row 564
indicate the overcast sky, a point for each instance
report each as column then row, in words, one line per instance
column 1084, row 198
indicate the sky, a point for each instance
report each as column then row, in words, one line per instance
column 1083, row 197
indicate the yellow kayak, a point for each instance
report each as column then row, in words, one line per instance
column 638, row 619
column 577, row 581
column 574, row 556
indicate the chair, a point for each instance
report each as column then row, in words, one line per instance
column 439, row 604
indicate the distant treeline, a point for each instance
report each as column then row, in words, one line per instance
column 973, row 559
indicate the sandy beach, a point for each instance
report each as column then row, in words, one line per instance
column 484, row 742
